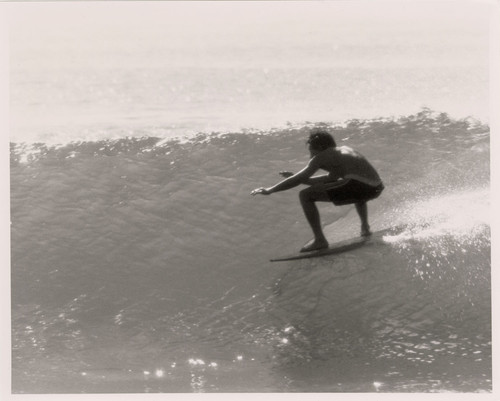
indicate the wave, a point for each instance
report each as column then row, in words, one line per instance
column 155, row 247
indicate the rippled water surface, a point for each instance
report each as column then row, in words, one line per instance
column 142, row 265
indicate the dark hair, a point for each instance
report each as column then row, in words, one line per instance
column 321, row 140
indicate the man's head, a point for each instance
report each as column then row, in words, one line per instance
column 320, row 140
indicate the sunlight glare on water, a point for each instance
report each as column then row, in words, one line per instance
column 460, row 214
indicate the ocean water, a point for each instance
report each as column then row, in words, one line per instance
column 149, row 70
column 139, row 260
column 141, row 265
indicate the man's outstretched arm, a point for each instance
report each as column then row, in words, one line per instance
column 296, row 179
column 309, row 181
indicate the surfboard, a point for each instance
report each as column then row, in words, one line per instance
column 339, row 247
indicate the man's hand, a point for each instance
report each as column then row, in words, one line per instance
column 286, row 174
column 261, row 190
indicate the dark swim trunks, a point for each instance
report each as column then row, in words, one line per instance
column 353, row 191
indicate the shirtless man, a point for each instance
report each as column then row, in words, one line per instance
column 350, row 179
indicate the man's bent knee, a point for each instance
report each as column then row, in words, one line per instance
column 305, row 196
column 310, row 195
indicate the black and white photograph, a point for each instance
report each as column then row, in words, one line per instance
column 255, row 197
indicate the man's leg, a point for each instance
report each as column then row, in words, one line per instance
column 308, row 199
column 362, row 210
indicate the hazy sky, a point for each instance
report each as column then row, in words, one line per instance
column 50, row 38
column 246, row 19
column 229, row 25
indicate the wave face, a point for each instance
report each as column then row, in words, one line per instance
column 141, row 265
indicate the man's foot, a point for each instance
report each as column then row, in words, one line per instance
column 365, row 231
column 315, row 246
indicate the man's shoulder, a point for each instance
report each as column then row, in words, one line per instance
column 345, row 149
column 329, row 152
column 323, row 155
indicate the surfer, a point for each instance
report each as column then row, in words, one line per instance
column 350, row 179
